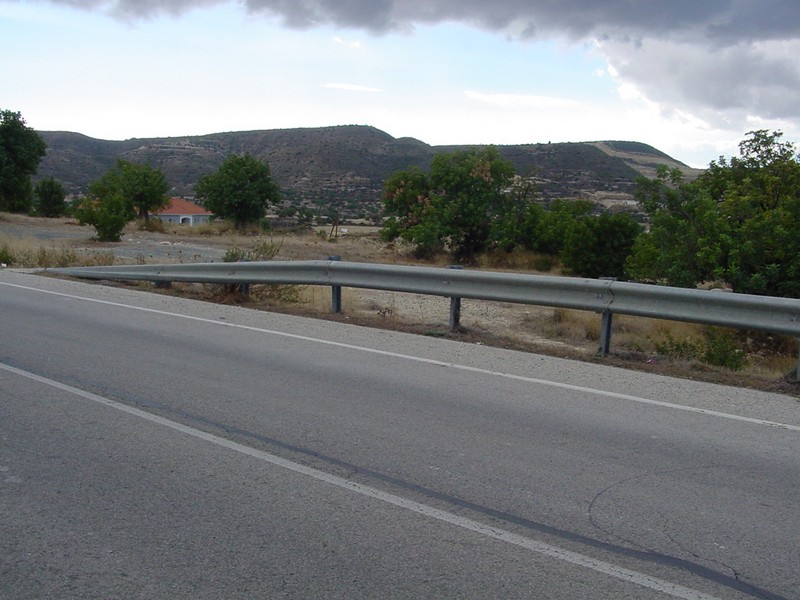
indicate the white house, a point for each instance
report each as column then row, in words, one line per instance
column 183, row 212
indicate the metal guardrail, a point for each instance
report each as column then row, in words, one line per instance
column 607, row 297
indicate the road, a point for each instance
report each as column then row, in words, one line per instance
column 157, row 447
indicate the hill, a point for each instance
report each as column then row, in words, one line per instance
column 345, row 166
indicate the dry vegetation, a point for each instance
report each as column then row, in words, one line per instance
column 658, row 346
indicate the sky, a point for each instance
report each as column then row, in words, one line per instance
column 690, row 77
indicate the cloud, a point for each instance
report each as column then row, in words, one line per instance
column 724, row 60
column 352, row 44
column 715, row 21
column 731, row 83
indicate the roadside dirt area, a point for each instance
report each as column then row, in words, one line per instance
column 556, row 332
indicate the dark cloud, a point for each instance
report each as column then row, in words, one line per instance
column 372, row 15
column 722, row 21
column 719, row 21
column 706, row 56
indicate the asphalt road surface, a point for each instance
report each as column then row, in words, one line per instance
column 155, row 447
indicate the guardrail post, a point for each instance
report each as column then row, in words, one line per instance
column 797, row 368
column 244, row 288
column 455, row 306
column 336, row 292
column 605, row 327
column 605, row 332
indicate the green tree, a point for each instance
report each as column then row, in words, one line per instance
column 739, row 222
column 599, row 246
column 50, row 196
column 758, row 197
column 21, row 150
column 241, row 190
column 145, row 188
column 412, row 215
column 456, row 206
column 519, row 218
column 687, row 242
column 142, row 188
column 550, row 234
column 122, row 192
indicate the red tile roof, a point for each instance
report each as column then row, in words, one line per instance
column 179, row 206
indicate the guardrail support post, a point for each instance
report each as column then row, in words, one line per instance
column 455, row 313
column 455, row 306
column 605, row 327
column 605, row 333
column 244, row 288
column 797, row 368
column 336, row 292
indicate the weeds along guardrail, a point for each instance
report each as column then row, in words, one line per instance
column 604, row 296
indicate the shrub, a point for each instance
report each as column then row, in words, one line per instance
column 7, row 256
column 264, row 249
column 234, row 254
column 108, row 217
column 681, row 349
column 722, row 350
column 718, row 347
column 260, row 249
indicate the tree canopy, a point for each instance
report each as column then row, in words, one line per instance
column 458, row 205
column 471, row 201
column 141, row 187
column 598, row 246
column 739, row 222
column 49, row 195
column 241, row 190
column 122, row 192
column 21, row 150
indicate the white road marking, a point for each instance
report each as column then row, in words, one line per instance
column 430, row 361
column 575, row 558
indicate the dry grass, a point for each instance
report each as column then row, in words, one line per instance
column 31, row 253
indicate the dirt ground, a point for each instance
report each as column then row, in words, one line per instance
column 568, row 334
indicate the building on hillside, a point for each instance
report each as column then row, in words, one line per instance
column 183, row 212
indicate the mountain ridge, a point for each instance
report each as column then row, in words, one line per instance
column 345, row 166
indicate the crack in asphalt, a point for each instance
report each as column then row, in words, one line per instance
column 664, row 519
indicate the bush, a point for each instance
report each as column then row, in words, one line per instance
column 108, row 217
column 7, row 256
column 718, row 347
column 722, row 350
column 681, row 349
column 234, row 254
column 260, row 249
